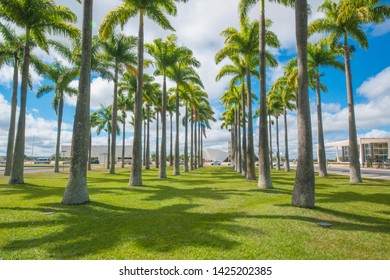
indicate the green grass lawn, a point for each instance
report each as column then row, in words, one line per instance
column 210, row 213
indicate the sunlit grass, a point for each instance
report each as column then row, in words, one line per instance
column 210, row 213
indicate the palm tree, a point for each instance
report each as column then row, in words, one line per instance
column 245, row 42
column 105, row 123
column 11, row 51
column 264, row 163
column 76, row 191
column 62, row 77
column 164, row 54
column 117, row 52
column 36, row 17
column 119, row 16
column 343, row 21
column 125, row 103
column 320, row 55
column 304, row 187
column 275, row 106
column 238, row 70
column 171, row 109
column 94, row 122
column 182, row 72
column 288, row 99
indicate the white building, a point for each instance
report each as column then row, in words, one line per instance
column 370, row 150
column 213, row 154
column 100, row 152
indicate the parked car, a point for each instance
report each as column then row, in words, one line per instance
column 42, row 160
column 95, row 161
column 217, row 162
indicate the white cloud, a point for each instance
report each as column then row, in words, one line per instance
column 381, row 29
column 377, row 86
column 101, row 93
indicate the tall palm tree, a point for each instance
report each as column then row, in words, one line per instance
column 171, row 106
column 238, row 70
column 62, row 77
column 117, row 52
column 76, row 191
column 119, row 16
column 343, row 21
column 304, row 187
column 125, row 104
column 36, row 18
column 288, row 99
column 11, row 51
column 275, row 106
column 105, row 123
column 320, row 55
column 264, row 163
column 245, row 41
column 94, row 122
column 164, row 54
column 182, row 72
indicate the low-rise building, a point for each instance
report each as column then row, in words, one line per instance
column 370, row 150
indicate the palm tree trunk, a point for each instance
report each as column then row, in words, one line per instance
column 201, row 149
column 233, row 145
column 243, row 120
column 108, row 150
column 195, row 146
column 236, row 156
column 176, row 170
column 157, row 140
column 192, row 140
column 239, row 142
column 251, row 174
column 59, row 124
column 186, row 141
column 136, row 166
column 286, row 156
column 277, row 145
column 17, row 170
column 321, row 145
column 163, row 157
column 303, row 193
column 354, row 164
column 123, row 139
column 89, row 150
column 171, row 141
column 270, row 141
column 76, row 191
column 147, row 156
column 144, row 151
column 199, row 146
column 12, row 123
column 114, row 121
column 264, row 164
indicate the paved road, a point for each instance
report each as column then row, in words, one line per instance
column 383, row 174
column 33, row 169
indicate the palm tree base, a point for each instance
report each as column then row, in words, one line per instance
column 16, row 181
column 302, row 200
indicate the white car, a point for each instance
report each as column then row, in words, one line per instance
column 217, row 162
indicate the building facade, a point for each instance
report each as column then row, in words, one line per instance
column 100, row 152
column 370, row 150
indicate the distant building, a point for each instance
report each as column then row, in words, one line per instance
column 370, row 150
column 100, row 152
column 213, row 155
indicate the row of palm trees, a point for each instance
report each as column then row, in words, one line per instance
column 342, row 21
column 42, row 17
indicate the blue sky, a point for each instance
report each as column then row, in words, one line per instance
column 198, row 25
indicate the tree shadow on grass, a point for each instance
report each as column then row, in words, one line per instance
column 349, row 196
column 352, row 221
column 100, row 227
column 31, row 191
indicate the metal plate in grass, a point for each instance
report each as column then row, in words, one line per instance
column 324, row 224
